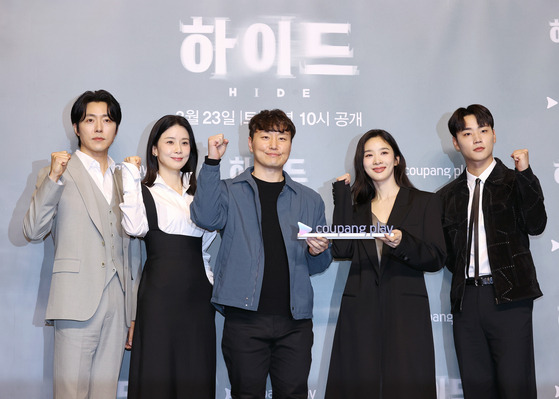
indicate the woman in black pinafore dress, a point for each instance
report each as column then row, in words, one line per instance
column 174, row 344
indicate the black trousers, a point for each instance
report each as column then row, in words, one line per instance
column 255, row 345
column 495, row 346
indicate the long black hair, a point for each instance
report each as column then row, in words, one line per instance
column 152, row 165
column 363, row 189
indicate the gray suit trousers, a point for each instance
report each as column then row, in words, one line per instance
column 88, row 354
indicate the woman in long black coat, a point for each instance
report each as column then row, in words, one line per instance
column 383, row 346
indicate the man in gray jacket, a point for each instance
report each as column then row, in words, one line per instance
column 262, row 271
column 91, row 296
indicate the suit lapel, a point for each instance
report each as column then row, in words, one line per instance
column 117, row 185
column 461, row 202
column 86, row 189
column 364, row 217
column 401, row 208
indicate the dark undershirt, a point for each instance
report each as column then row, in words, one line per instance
column 274, row 296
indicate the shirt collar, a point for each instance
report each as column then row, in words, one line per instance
column 91, row 163
column 483, row 177
column 246, row 176
column 185, row 182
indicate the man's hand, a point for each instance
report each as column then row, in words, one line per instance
column 58, row 162
column 216, row 146
column 317, row 245
column 521, row 161
column 128, row 344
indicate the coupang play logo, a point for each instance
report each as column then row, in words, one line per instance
column 344, row 232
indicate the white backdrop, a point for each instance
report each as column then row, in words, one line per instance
column 338, row 68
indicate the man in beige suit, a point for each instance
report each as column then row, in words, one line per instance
column 95, row 267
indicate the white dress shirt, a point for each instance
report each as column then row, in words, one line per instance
column 484, row 268
column 105, row 181
column 173, row 210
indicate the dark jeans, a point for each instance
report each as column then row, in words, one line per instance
column 255, row 345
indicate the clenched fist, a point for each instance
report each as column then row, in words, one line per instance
column 521, row 159
column 58, row 162
column 134, row 160
column 346, row 178
column 216, row 146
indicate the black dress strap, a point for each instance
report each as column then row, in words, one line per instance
column 151, row 210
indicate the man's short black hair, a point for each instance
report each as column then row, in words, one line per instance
column 99, row 96
column 271, row 121
column 483, row 116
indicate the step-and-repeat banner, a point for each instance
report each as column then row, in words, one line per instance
column 337, row 68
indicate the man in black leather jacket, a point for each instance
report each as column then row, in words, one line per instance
column 492, row 305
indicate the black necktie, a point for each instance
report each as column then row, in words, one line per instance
column 474, row 231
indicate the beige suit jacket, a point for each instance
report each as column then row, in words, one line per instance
column 71, row 214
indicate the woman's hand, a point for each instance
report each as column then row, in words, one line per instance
column 346, row 178
column 135, row 160
column 392, row 240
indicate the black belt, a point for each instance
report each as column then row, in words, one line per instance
column 481, row 280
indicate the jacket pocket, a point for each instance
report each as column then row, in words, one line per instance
column 66, row 265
